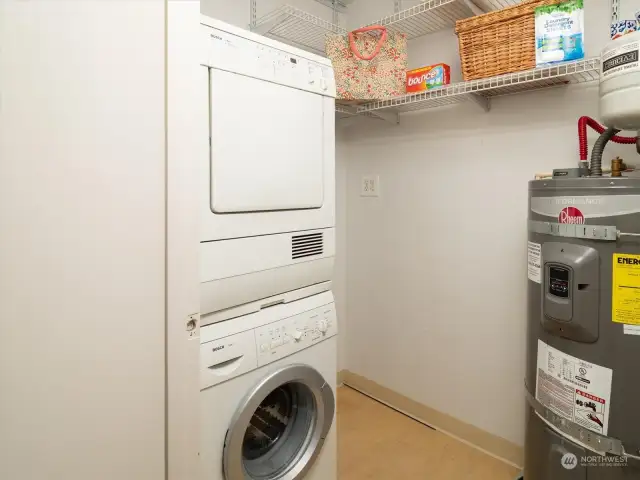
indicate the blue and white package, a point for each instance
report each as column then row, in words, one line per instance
column 559, row 32
column 618, row 29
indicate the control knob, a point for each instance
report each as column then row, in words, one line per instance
column 297, row 335
column 322, row 325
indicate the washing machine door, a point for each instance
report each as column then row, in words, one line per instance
column 280, row 426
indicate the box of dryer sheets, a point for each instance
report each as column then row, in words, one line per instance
column 426, row 78
column 559, row 32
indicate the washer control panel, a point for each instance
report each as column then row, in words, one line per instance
column 284, row 337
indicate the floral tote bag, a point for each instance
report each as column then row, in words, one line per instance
column 369, row 63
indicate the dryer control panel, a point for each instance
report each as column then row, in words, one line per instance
column 226, row 51
column 284, row 337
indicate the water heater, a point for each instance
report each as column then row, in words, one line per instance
column 583, row 342
column 583, row 323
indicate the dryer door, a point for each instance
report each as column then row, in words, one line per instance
column 271, row 158
column 266, row 145
column 280, row 427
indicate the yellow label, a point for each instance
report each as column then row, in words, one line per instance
column 625, row 291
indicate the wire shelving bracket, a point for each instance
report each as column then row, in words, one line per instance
column 351, row 111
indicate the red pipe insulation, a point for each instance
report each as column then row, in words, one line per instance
column 582, row 135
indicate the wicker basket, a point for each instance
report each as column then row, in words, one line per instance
column 499, row 42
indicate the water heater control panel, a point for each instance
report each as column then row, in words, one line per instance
column 570, row 293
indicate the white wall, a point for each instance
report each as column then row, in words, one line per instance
column 340, row 276
column 235, row 12
column 436, row 265
column 82, row 235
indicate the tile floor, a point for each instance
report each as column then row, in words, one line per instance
column 378, row 443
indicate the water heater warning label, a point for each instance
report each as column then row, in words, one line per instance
column 577, row 390
column 625, row 291
column 534, row 261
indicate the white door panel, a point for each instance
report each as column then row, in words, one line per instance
column 248, row 223
column 266, row 146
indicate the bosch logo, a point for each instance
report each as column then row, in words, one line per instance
column 219, row 347
column 629, row 261
column 571, row 215
column 216, row 37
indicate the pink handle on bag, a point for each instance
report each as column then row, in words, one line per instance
column 354, row 47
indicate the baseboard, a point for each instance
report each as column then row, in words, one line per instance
column 487, row 442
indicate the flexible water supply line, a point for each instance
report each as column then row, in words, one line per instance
column 582, row 135
column 598, row 149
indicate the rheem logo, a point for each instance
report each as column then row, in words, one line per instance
column 571, row 215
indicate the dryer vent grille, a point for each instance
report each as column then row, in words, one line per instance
column 306, row 245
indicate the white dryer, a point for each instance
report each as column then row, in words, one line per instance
column 268, row 184
column 268, row 383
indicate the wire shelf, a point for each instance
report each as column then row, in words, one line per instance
column 304, row 30
column 426, row 17
column 480, row 91
column 295, row 27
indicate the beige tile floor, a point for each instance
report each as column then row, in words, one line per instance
column 378, row 443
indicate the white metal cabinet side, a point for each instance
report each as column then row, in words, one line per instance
column 82, row 242
column 187, row 146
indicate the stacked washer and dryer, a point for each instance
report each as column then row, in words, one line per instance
column 268, row 358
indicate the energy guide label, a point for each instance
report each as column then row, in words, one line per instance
column 534, row 261
column 625, row 289
column 575, row 389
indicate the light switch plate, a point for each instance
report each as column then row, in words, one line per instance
column 370, row 186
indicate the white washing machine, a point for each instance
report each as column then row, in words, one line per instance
column 268, row 388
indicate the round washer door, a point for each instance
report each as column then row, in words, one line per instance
column 280, row 426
